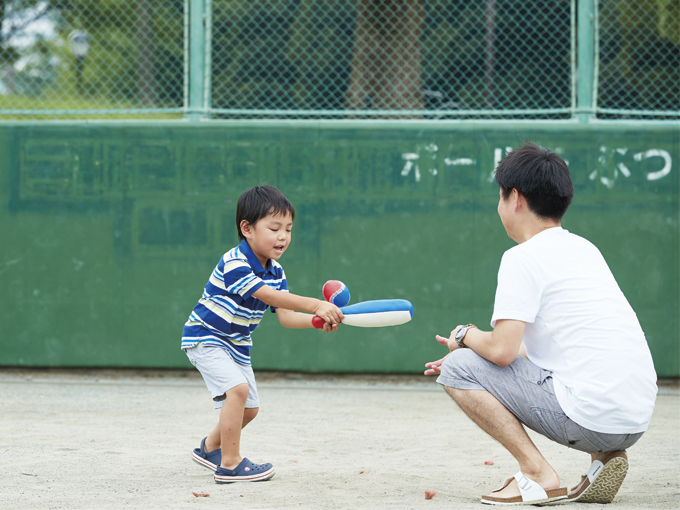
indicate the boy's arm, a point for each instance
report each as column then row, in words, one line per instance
column 279, row 299
column 297, row 320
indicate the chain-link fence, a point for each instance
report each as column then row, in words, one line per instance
column 64, row 57
column 385, row 58
column 639, row 58
column 435, row 59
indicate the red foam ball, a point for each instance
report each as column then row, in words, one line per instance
column 336, row 292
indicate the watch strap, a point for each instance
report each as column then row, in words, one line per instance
column 465, row 329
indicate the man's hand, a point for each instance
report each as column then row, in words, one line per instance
column 451, row 341
column 434, row 367
column 500, row 346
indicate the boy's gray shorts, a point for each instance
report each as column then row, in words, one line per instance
column 527, row 392
column 221, row 373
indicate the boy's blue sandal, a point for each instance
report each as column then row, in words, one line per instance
column 246, row 471
column 209, row 460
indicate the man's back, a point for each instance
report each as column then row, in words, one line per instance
column 581, row 327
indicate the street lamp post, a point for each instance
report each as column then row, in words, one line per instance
column 80, row 45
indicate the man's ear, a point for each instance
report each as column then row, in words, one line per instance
column 246, row 228
column 518, row 200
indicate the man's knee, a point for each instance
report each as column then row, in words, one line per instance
column 457, row 364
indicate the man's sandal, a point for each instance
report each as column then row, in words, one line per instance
column 602, row 481
column 531, row 493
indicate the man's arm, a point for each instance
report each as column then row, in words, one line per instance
column 500, row 346
column 279, row 299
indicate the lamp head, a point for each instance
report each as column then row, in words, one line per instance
column 80, row 43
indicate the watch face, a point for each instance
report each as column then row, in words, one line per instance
column 460, row 334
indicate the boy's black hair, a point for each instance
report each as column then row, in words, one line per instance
column 541, row 176
column 258, row 202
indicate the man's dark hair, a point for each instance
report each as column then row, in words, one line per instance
column 258, row 202
column 541, row 176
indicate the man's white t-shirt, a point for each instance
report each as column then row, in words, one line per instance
column 579, row 326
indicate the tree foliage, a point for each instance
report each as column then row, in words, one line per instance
column 640, row 54
column 113, row 67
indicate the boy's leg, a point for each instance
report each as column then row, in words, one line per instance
column 223, row 375
column 234, row 415
column 230, row 425
column 214, row 439
column 249, row 415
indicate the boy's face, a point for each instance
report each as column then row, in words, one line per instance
column 269, row 236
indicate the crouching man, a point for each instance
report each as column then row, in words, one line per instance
column 566, row 356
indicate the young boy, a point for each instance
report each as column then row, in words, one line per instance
column 216, row 338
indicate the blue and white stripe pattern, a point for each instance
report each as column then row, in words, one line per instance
column 227, row 313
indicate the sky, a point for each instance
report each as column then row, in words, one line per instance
column 27, row 26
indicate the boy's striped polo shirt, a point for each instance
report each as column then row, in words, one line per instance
column 227, row 313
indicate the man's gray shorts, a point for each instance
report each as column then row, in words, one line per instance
column 527, row 392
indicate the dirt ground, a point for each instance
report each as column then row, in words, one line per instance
column 90, row 439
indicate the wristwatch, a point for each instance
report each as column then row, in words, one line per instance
column 461, row 334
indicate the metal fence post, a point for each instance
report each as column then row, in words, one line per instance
column 196, row 81
column 586, row 60
column 207, row 52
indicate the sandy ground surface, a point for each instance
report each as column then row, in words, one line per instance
column 121, row 439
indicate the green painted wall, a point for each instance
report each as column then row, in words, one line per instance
column 110, row 231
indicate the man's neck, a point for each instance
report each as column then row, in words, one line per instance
column 531, row 228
